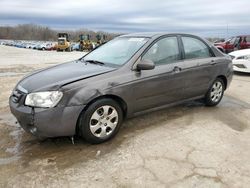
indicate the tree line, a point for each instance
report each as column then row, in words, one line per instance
column 43, row 33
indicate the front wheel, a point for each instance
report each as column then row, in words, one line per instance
column 215, row 93
column 101, row 121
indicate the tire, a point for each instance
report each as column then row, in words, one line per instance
column 215, row 93
column 100, row 121
column 43, row 49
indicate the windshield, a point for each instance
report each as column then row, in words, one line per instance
column 61, row 41
column 117, row 51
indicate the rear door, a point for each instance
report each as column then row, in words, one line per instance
column 199, row 66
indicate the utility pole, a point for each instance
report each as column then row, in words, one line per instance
column 227, row 30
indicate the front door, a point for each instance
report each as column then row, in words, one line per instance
column 165, row 83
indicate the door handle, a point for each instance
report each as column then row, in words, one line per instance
column 176, row 69
column 212, row 62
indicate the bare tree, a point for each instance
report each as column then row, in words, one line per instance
column 37, row 32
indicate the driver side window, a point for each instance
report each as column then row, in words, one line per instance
column 164, row 51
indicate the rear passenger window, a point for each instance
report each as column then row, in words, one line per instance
column 195, row 48
column 164, row 51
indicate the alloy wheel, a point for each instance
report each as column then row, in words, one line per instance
column 103, row 121
column 216, row 91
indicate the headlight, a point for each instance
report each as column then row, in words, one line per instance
column 47, row 99
column 246, row 57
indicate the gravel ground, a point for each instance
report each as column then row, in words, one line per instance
column 184, row 146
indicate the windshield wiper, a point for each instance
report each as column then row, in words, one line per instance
column 94, row 62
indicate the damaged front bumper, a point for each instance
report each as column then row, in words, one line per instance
column 46, row 122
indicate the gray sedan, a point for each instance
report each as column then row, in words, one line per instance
column 128, row 76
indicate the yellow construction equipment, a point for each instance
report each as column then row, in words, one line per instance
column 101, row 39
column 86, row 43
column 63, row 42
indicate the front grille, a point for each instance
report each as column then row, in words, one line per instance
column 241, row 66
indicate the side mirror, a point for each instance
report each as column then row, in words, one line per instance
column 145, row 64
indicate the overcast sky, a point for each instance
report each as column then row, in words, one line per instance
column 203, row 17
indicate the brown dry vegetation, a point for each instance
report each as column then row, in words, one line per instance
column 43, row 33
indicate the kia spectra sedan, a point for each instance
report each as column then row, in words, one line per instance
column 128, row 76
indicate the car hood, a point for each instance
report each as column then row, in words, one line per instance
column 240, row 53
column 55, row 77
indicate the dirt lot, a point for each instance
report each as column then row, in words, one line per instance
column 185, row 146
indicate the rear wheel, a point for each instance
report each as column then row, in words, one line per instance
column 215, row 93
column 101, row 121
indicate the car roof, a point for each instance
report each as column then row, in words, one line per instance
column 152, row 34
column 142, row 34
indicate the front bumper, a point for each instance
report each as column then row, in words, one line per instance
column 238, row 68
column 241, row 66
column 62, row 47
column 46, row 122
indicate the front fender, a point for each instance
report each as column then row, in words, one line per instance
column 80, row 96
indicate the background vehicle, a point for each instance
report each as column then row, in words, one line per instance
column 63, row 42
column 234, row 43
column 75, row 47
column 30, row 45
column 36, row 46
column 241, row 60
column 85, row 43
column 41, row 46
column 101, row 39
column 128, row 76
column 19, row 44
column 50, row 46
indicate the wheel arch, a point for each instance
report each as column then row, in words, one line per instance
column 116, row 98
column 224, row 79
